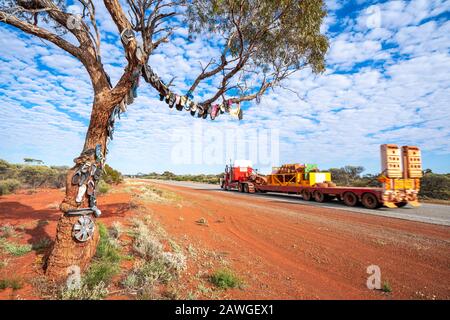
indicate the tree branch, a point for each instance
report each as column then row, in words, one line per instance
column 41, row 33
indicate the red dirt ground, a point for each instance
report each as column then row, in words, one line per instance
column 280, row 250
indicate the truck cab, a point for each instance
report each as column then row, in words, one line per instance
column 235, row 174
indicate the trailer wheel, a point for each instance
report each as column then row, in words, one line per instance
column 401, row 204
column 350, row 199
column 306, row 195
column 319, row 196
column 370, row 201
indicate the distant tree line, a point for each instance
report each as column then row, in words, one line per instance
column 15, row 176
column 435, row 185
column 29, row 176
column 167, row 175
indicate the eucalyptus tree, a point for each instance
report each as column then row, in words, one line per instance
column 261, row 42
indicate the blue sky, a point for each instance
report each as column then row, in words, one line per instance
column 387, row 81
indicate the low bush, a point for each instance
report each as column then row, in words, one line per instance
column 7, row 231
column 435, row 186
column 9, row 186
column 84, row 292
column 167, row 175
column 15, row 249
column 115, row 230
column 386, row 287
column 155, row 266
column 111, row 176
column 152, row 193
column 103, row 187
column 14, row 176
column 224, row 279
column 100, row 272
column 107, row 248
column 42, row 176
column 14, row 284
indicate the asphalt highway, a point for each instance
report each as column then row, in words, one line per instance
column 427, row 212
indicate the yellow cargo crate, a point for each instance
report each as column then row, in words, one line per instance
column 404, row 184
column 319, row 177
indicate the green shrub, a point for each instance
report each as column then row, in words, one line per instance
column 156, row 265
column 204, row 178
column 84, row 292
column 100, row 271
column 42, row 176
column 14, row 284
column 34, row 176
column 7, row 231
column 224, row 279
column 103, row 187
column 151, row 271
column 111, row 176
column 9, row 186
column 106, row 261
column 435, row 186
column 107, row 249
column 16, row 249
column 386, row 287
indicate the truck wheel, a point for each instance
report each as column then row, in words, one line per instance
column 240, row 189
column 370, row 201
column 350, row 199
column 245, row 188
column 306, row 195
column 319, row 196
column 401, row 204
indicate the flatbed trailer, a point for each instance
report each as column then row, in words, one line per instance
column 371, row 198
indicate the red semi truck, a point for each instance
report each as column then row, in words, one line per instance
column 236, row 177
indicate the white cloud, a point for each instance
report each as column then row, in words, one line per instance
column 399, row 93
column 346, row 53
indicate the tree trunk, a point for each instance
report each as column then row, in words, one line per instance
column 67, row 251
